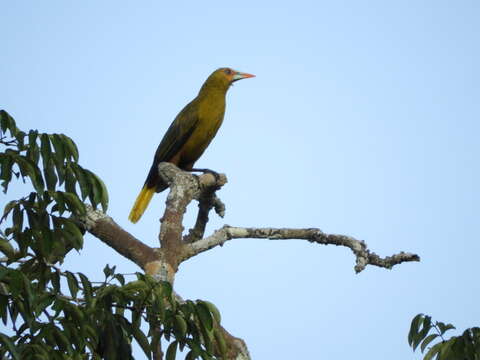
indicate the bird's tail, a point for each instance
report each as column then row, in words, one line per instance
column 143, row 199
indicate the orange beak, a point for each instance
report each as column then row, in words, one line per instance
column 239, row 76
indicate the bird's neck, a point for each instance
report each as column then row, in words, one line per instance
column 212, row 89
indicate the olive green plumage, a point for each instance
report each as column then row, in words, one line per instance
column 189, row 134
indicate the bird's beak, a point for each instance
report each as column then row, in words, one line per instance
column 239, row 76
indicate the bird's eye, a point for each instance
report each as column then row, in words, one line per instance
column 228, row 71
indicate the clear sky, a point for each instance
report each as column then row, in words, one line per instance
column 363, row 120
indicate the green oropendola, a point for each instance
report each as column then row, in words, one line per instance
column 189, row 134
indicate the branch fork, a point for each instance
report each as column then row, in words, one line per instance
column 163, row 262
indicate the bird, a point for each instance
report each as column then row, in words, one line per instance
column 190, row 133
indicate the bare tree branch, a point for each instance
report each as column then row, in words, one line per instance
column 364, row 256
column 163, row 262
column 106, row 229
column 207, row 200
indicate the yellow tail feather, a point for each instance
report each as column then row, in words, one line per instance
column 143, row 199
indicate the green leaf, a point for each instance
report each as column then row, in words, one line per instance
column 4, row 120
column 59, row 202
column 120, row 278
column 133, row 287
column 72, row 284
column 39, row 353
column 8, row 208
column 171, row 353
column 204, row 315
column 33, row 153
column 444, row 328
column 6, row 248
column 120, row 311
column 446, row 350
column 414, row 329
column 70, row 181
column 26, row 167
column 49, row 174
column 45, row 148
column 16, row 282
column 220, row 340
column 75, row 205
column 96, row 186
column 167, row 289
column 469, row 346
column 30, row 170
column 58, row 156
column 192, row 355
column 17, row 218
column 7, row 122
column 434, row 350
column 70, row 147
column 32, row 138
column 6, row 170
column 137, row 317
column 180, row 327
column 42, row 302
column 103, row 192
column 20, row 137
column 459, row 346
column 426, row 326
column 108, row 271
column 75, row 236
column 91, row 332
column 427, row 341
column 87, row 286
column 4, row 299
column 158, row 304
column 81, row 179
column 15, row 309
column 62, row 341
column 27, row 286
column 5, row 340
column 55, row 279
column 205, row 356
column 74, row 312
column 142, row 341
column 213, row 310
column 195, row 352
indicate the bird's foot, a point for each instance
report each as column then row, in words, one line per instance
column 208, row 171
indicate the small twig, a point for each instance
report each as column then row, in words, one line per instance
column 208, row 185
column 8, row 142
column 208, row 200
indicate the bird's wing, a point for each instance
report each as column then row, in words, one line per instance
column 177, row 134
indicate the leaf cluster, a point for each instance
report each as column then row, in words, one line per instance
column 98, row 321
column 196, row 326
column 50, row 313
column 424, row 332
column 43, row 221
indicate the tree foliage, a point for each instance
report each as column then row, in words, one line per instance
column 430, row 337
column 50, row 313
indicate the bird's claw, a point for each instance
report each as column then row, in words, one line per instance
column 208, row 171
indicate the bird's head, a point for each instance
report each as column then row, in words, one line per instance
column 232, row 75
column 224, row 77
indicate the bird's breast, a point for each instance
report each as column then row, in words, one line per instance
column 210, row 117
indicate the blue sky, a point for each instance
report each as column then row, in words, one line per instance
column 363, row 120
